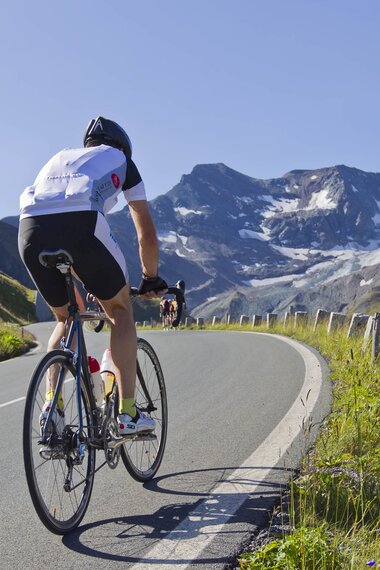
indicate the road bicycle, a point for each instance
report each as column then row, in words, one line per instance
column 60, row 449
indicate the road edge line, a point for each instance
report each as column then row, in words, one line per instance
column 232, row 492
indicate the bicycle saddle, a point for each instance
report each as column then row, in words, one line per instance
column 53, row 257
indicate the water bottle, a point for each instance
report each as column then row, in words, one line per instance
column 97, row 381
column 107, row 368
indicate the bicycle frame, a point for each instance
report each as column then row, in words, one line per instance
column 79, row 356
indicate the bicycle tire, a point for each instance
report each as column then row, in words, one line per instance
column 142, row 456
column 59, row 510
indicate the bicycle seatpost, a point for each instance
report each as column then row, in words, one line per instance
column 73, row 305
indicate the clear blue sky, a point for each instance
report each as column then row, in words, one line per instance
column 265, row 86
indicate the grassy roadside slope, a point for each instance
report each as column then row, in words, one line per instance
column 16, row 308
column 16, row 301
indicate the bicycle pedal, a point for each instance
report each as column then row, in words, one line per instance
column 146, row 436
column 142, row 436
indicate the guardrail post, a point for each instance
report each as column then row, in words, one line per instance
column 189, row 321
column 357, row 324
column 200, row 322
column 336, row 320
column 146, row 323
column 256, row 320
column 321, row 318
column 244, row 320
column 215, row 321
column 271, row 319
column 228, row 319
column 300, row 318
column 375, row 337
column 368, row 331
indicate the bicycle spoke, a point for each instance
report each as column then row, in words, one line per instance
column 141, row 456
column 52, row 463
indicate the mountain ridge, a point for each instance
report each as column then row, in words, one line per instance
column 265, row 243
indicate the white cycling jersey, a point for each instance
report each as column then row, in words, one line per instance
column 80, row 179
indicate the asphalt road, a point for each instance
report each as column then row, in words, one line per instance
column 227, row 392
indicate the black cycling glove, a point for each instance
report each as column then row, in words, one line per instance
column 152, row 284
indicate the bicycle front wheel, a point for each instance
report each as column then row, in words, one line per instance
column 59, row 471
column 142, row 454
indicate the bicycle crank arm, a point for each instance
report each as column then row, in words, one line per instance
column 117, row 441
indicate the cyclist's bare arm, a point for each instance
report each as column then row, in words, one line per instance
column 146, row 235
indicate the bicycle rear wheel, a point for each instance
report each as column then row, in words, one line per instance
column 59, row 472
column 142, row 454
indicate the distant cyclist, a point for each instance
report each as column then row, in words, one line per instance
column 65, row 208
column 173, row 310
column 165, row 312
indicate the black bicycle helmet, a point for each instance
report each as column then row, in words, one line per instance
column 105, row 131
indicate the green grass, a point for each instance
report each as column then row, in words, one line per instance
column 14, row 341
column 334, row 502
column 16, row 308
column 16, row 301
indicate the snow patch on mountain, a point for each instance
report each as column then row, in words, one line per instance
column 270, row 281
column 280, row 206
column 321, row 201
column 250, row 234
column 342, row 263
column 168, row 237
column 186, row 212
column 363, row 282
column 172, row 237
column 244, row 199
column 293, row 253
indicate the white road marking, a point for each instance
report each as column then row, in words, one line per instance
column 24, row 397
column 185, row 543
column 12, row 402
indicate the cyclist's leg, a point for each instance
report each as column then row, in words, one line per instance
column 123, row 341
column 61, row 315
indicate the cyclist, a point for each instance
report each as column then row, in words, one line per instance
column 65, row 208
column 165, row 311
column 173, row 310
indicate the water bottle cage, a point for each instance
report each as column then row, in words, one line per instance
column 109, row 373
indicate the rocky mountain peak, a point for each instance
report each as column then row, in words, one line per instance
column 231, row 236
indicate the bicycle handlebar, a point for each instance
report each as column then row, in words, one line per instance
column 134, row 292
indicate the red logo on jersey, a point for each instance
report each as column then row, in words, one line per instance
column 115, row 180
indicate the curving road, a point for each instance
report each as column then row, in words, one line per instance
column 236, row 402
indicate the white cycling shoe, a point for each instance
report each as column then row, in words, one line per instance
column 58, row 419
column 140, row 423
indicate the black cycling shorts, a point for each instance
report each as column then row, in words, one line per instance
column 98, row 260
